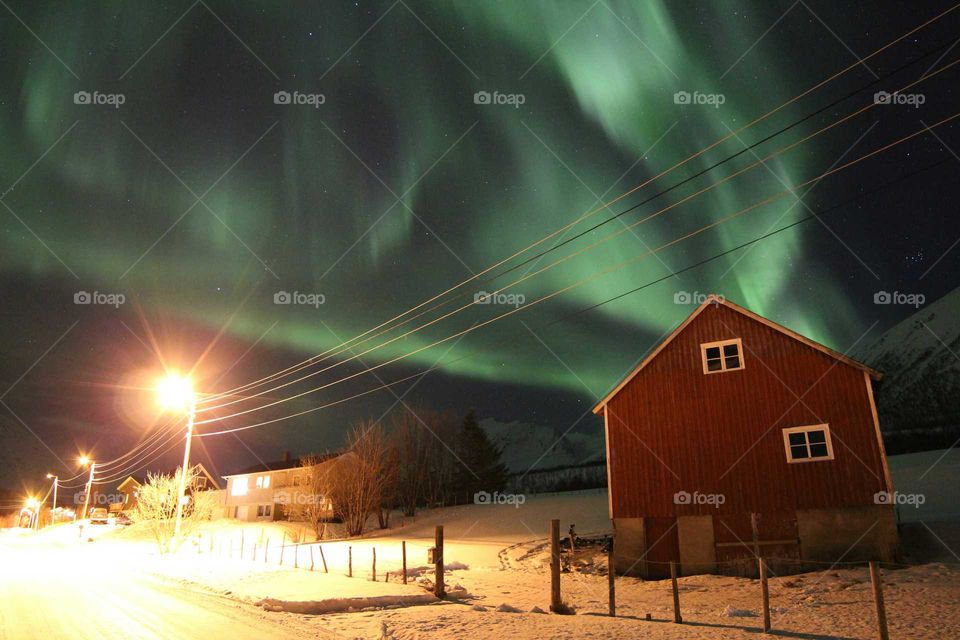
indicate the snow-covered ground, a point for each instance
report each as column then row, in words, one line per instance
column 57, row 584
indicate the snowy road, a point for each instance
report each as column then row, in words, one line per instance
column 78, row 591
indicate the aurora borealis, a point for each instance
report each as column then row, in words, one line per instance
column 200, row 198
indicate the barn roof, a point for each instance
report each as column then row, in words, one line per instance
column 713, row 299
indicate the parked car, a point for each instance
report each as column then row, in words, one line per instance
column 99, row 516
column 123, row 519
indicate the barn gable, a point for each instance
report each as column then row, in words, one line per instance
column 716, row 300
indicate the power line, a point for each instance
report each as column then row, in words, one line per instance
column 586, row 215
column 570, row 256
column 569, row 287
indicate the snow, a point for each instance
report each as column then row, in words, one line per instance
column 496, row 572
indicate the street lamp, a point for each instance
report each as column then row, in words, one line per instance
column 53, row 510
column 176, row 394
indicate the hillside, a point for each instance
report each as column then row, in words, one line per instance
column 921, row 366
column 527, row 446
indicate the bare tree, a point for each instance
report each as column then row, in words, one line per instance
column 157, row 507
column 442, row 466
column 362, row 480
column 313, row 501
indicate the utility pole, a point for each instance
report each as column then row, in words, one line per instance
column 191, row 415
column 86, row 500
column 53, row 509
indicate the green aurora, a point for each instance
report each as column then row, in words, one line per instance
column 476, row 182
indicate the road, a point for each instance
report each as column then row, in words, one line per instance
column 69, row 589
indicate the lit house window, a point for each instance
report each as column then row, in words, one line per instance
column 263, row 482
column 808, row 444
column 726, row 355
column 238, row 487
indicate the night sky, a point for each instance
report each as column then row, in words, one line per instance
column 388, row 179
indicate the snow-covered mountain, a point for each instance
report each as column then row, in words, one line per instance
column 541, row 447
column 920, row 359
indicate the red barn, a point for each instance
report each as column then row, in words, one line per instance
column 737, row 437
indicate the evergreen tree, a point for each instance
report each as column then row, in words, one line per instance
column 484, row 471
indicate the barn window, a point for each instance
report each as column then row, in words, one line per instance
column 726, row 355
column 808, row 444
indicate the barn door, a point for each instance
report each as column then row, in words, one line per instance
column 663, row 546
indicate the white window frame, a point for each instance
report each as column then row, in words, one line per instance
column 807, row 429
column 263, row 482
column 723, row 363
column 239, row 487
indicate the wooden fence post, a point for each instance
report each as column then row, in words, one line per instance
column 875, row 580
column 611, row 582
column 765, row 593
column 311, row 558
column 322, row 559
column 349, row 562
column 296, row 556
column 677, row 618
column 555, row 600
column 266, row 550
column 403, row 549
column 374, row 570
column 283, row 545
column 438, row 588
column 241, row 544
column 254, row 552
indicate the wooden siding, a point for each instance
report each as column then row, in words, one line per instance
column 672, row 428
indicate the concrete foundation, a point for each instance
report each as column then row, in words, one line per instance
column 850, row 534
column 855, row 534
column 697, row 551
column 629, row 545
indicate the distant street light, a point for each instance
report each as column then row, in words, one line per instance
column 176, row 394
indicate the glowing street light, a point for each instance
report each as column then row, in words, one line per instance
column 175, row 393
